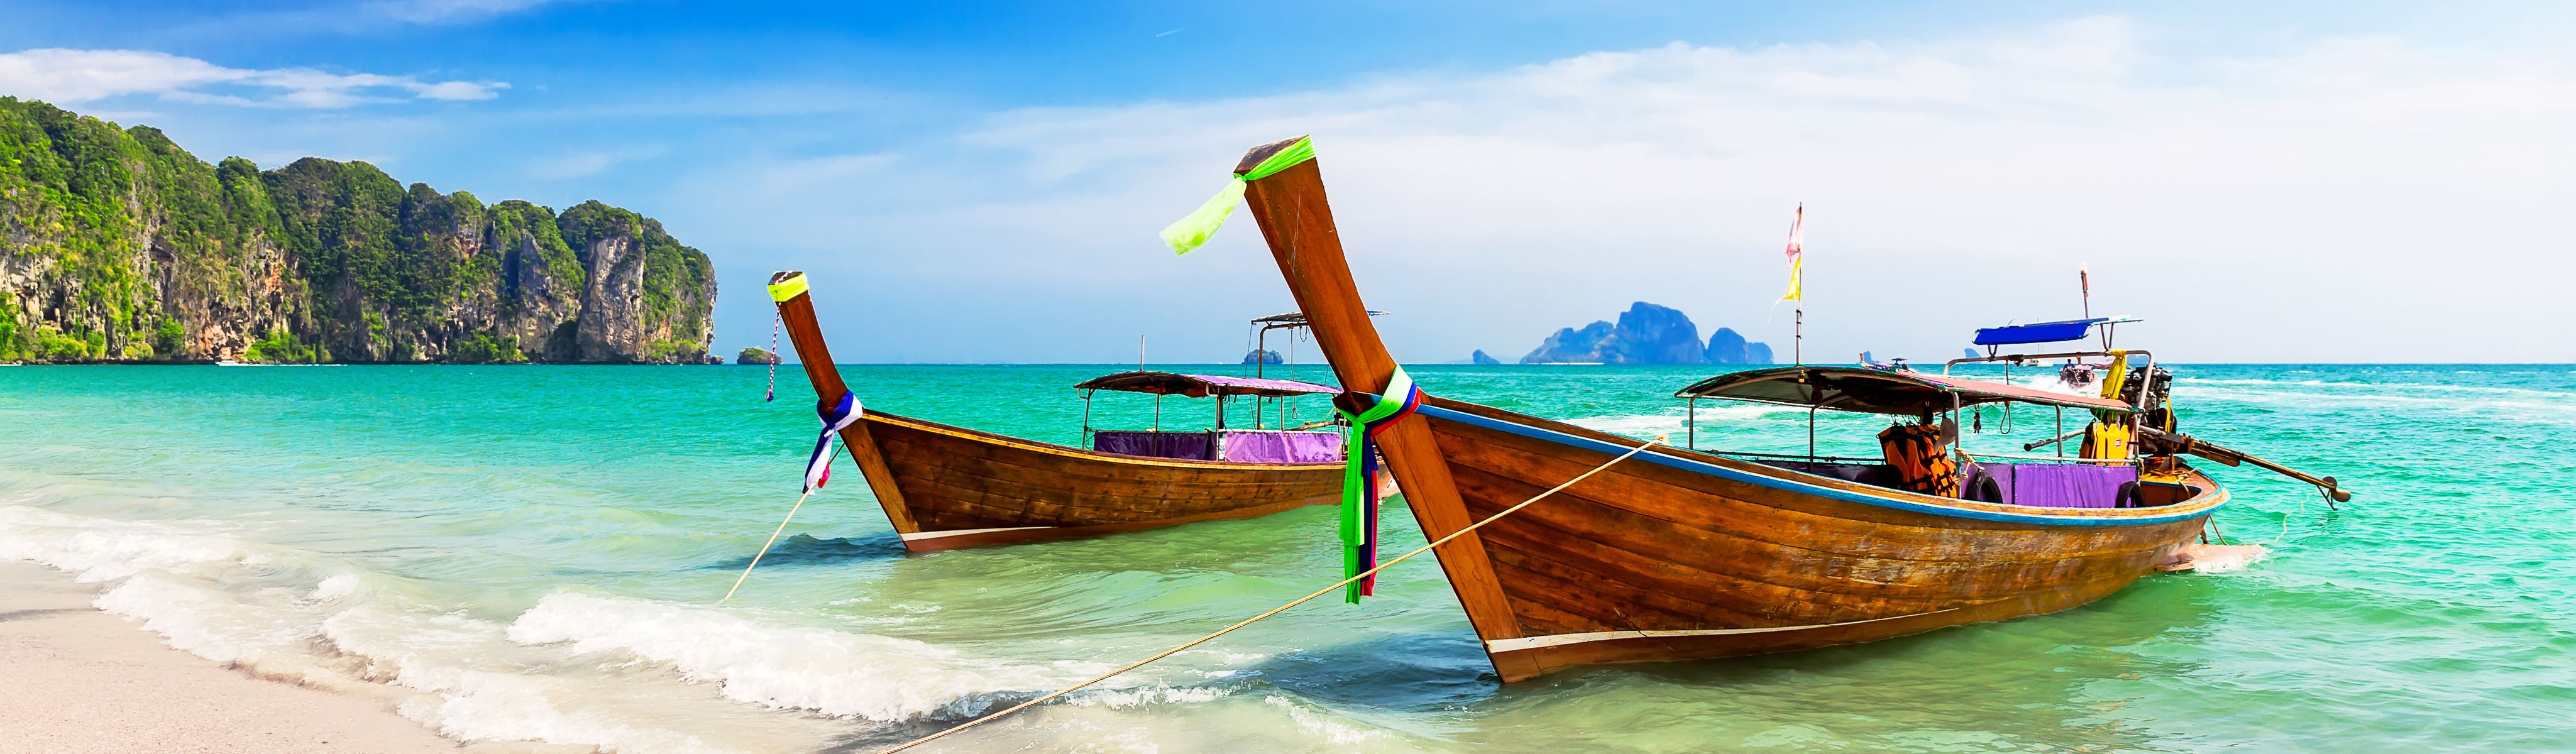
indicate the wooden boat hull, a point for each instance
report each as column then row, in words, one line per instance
column 959, row 487
column 945, row 487
column 1674, row 554
column 1680, row 555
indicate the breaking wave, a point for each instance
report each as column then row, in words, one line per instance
column 836, row 673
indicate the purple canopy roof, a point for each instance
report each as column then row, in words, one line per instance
column 1201, row 385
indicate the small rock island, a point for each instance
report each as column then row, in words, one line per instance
column 1646, row 334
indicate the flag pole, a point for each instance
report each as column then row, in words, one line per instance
column 1798, row 286
column 2084, row 280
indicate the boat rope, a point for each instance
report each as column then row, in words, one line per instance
column 837, row 415
column 1632, row 452
column 2303, row 510
column 764, row 547
column 774, row 318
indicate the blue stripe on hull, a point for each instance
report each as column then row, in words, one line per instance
column 1787, row 485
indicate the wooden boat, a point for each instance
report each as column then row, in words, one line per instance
column 1680, row 554
column 946, row 487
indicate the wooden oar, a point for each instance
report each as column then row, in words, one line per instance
column 2180, row 443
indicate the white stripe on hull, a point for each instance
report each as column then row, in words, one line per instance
column 1558, row 640
column 960, row 532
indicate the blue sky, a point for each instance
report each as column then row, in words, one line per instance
column 982, row 182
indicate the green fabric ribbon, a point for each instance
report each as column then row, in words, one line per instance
column 1188, row 233
column 1359, row 480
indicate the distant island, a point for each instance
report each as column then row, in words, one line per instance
column 1479, row 357
column 116, row 245
column 755, row 355
column 1646, row 334
column 1258, row 356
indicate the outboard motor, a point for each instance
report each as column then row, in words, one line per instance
column 2157, row 384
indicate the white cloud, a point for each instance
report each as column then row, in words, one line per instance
column 75, row 76
column 2350, row 199
column 589, row 163
column 447, row 11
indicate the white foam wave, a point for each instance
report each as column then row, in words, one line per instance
column 1151, row 695
column 97, row 549
column 484, row 705
column 2402, row 387
column 336, row 587
column 1333, row 731
column 478, row 684
column 832, row 672
column 274, row 612
column 2539, row 411
column 212, row 624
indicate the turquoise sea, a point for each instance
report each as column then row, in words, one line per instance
column 532, row 553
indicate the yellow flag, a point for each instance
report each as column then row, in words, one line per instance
column 1797, row 259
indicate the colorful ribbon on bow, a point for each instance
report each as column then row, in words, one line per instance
column 1186, row 234
column 836, row 416
column 1359, row 479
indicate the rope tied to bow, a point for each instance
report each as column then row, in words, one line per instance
column 837, row 415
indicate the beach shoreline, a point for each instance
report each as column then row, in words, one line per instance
column 82, row 680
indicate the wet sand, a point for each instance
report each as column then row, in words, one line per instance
column 76, row 679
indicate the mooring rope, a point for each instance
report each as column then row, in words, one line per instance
column 1659, row 439
column 772, row 395
column 764, row 547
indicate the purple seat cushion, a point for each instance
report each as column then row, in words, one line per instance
column 2062, row 485
column 1280, row 446
column 1191, row 446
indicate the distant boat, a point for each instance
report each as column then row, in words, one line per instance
column 1680, row 554
column 945, row 486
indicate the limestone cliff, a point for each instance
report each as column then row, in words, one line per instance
column 117, row 245
column 1646, row 334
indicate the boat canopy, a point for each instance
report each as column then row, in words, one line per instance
column 2038, row 332
column 2047, row 332
column 1201, row 385
column 1876, row 391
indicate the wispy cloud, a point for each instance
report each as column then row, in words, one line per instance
column 447, row 11
column 368, row 17
column 1975, row 171
column 76, row 76
column 588, row 163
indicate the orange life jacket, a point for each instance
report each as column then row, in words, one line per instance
column 1922, row 464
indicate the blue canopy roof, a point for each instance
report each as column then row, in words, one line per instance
column 2037, row 332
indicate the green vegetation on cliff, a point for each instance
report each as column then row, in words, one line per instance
column 116, row 244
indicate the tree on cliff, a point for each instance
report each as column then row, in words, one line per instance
column 117, row 245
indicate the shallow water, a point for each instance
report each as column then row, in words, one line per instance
column 532, row 552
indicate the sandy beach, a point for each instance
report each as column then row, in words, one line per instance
column 81, row 680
